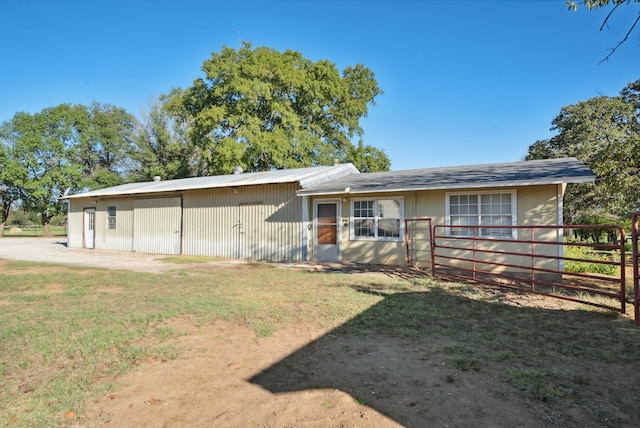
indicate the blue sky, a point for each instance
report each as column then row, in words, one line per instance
column 465, row 82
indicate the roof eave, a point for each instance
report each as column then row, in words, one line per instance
column 456, row 186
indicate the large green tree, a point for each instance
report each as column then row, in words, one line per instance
column 604, row 133
column 8, row 192
column 37, row 163
column 166, row 150
column 262, row 109
column 68, row 147
column 106, row 146
column 368, row 158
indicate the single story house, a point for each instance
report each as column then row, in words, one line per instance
column 332, row 213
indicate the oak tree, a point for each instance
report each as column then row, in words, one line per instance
column 8, row 192
column 37, row 152
column 262, row 109
column 106, row 146
column 166, row 151
column 64, row 148
column 604, row 133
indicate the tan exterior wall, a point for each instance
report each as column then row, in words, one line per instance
column 536, row 205
column 75, row 221
column 375, row 252
column 157, row 225
column 251, row 222
column 120, row 238
column 266, row 223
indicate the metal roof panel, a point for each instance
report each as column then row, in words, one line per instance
column 305, row 176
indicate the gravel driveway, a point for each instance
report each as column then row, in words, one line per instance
column 54, row 250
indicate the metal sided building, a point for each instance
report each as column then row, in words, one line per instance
column 255, row 216
column 361, row 218
column 330, row 214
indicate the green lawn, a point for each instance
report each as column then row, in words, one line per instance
column 63, row 330
column 33, row 231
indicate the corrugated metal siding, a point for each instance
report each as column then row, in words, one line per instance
column 120, row 238
column 251, row 222
column 157, row 225
column 75, row 222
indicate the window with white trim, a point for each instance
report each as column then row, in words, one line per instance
column 482, row 209
column 111, row 217
column 377, row 219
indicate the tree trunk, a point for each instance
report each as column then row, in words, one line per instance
column 2, row 229
column 46, row 226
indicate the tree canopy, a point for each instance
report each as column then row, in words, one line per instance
column 8, row 193
column 165, row 148
column 604, row 133
column 37, row 153
column 64, row 147
column 262, row 109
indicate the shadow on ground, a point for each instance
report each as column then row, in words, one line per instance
column 436, row 359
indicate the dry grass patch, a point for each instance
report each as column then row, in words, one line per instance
column 62, row 349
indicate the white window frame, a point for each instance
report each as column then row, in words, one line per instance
column 376, row 218
column 114, row 217
column 514, row 211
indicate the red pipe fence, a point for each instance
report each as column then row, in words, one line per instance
column 535, row 259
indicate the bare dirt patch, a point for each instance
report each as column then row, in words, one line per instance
column 307, row 376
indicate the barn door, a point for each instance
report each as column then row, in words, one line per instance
column 326, row 231
column 89, row 231
column 157, row 225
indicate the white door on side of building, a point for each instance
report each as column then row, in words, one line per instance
column 89, row 233
column 327, row 231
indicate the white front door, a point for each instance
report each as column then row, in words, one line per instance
column 89, row 228
column 327, row 231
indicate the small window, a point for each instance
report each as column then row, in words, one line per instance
column 377, row 219
column 111, row 217
column 482, row 209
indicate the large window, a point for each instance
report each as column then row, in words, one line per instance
column 377, row 219
column 481, row 209
column 111, row 217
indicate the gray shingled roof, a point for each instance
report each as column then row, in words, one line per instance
column 306, row 177
column 536, row 172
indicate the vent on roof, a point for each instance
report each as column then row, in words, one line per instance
column 156, row 178
column 237, row 169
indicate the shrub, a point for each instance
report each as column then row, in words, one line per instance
column 594, row 265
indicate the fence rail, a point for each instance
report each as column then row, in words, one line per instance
column 635, row 263
column 533, row 259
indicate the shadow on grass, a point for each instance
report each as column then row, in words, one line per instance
column 435, row 357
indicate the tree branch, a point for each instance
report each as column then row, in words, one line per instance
column 609, row 16
column 621, row 41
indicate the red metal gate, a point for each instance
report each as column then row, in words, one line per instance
column 419, row 242
column 636, row 274
column 534, row 259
